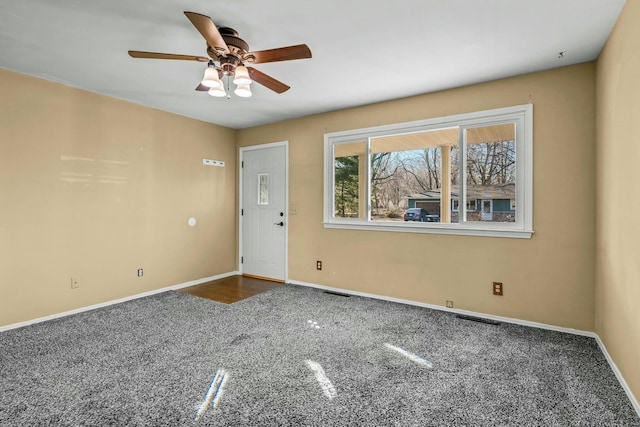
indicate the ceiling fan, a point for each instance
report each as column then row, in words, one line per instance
column 228, row 54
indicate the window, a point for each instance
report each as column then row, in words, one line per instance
column 471, row 205
column 480, row 161
column 263, row 189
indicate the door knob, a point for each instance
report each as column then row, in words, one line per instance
column 281, row 224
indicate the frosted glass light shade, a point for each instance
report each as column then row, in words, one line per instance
column 241, row 76
column 218, row 92
column 243, row 91
column 211, row 78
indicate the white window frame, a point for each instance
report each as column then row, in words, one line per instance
column 455, row 205
column 521, row 115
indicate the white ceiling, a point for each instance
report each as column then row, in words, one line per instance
column 364, row 51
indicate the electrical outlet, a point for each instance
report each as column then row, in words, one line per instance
column 449, row 304
column 497, row 288
column 75, row 283
column 318, row 265
column 140, row 272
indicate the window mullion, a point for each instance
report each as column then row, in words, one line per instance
column 462, row 197
column 367, row 178
column 330, row 168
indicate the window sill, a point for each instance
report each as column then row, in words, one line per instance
column 437, row 228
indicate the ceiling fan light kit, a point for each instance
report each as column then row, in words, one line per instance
column 230, row 52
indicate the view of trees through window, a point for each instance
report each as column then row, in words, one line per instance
column 416, row 170
column 349, row 172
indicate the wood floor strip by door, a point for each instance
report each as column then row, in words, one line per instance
column 268, row 279
column 231, row 289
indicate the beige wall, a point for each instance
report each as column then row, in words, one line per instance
column 95, row 187
column 127, row 207
column 548, row 278
column 618, row 187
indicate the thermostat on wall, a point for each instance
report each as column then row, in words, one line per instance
column 210, row 162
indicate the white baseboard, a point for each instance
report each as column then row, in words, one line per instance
column 451, row 310
column 118, row 301
column 623, row 383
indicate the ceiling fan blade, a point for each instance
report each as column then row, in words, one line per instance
column 155, row 55
column 267, row 81
column 207, row 28
column 203, row 88
column 300, row 51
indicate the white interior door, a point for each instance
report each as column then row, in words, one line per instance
column 263, row 211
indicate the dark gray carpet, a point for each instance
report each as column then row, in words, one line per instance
column 296, row 356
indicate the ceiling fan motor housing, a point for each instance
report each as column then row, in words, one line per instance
column 230, row 37
column 238, row 48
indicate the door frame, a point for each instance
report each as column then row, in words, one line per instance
column 286, row 201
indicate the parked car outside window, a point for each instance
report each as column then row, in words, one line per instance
column 421, row 215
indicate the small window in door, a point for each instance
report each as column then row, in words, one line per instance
column 263, row 189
